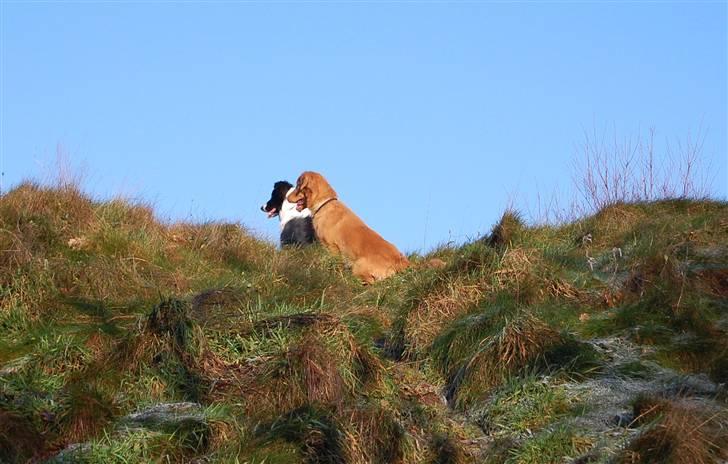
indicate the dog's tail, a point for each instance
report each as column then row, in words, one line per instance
column 432, row 263
column 435, row 263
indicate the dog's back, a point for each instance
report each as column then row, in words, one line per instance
column 343, row 232
column 296, row 226
column 298, row 231
column 373, row 257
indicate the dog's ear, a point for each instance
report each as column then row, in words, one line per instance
column 297, row 193
column 302, row 181
column 303, row 184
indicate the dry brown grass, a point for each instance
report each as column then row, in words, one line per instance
column 324, row 365
column 519, row 273
column 305, row 374
column 30, row 208
column 86, row 412
column 19, row 438
column 224, row 243
column 437, row 310
column 562, row 289
column 413, row 386
column 613, row 222
column 34, row 221
column 714, row 282
column 521, row 341
column 678, row 431
column 372, row 434
column 317, row 371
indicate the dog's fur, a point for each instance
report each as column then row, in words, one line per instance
column 296, row 226
column 342, row 231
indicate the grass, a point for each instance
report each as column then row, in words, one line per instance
column 677, row 430
column 525, row 405
column 107, row 311
column 486, row 349
column 551, row 447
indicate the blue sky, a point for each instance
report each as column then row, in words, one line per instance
column 427, row 118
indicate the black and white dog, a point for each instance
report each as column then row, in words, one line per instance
column 296, row 226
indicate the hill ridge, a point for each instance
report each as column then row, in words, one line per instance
column 599, row 340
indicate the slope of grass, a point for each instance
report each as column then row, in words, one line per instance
column 107, row 313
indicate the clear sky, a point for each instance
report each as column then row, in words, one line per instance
column 428, row 118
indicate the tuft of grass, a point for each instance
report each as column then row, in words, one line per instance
column 476, row 257
column 520, row 342
column 314, row 429
column 551, row 447
column 484, row 350
column 84, row 412
column 457, row 344
column 508, row 230
column 286, row 362
column 525, row 405
column 446, row 450
column 171, row 318
column 435, row 311
column 677, row 430
column 373, row 434
column 170, row 345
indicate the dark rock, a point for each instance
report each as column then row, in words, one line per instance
column 624, row 419
column 692, row 385
column 166, row 415
column 70, row 454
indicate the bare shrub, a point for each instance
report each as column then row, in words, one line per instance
column 629, row 169
column 609, row 170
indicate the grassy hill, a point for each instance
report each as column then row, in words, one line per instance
column 125, row 339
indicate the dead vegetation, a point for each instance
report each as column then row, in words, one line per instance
column 678, row 430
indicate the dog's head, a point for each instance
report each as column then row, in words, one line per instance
column 277, row 197
column 311, row 190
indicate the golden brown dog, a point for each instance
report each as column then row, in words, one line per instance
column 341, row 231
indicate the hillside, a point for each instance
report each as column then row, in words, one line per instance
column 125, row 339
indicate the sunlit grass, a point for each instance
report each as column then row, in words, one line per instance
column 107, row 311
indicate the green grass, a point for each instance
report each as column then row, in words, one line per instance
column 106, row 311
column 525, row 405
column 551, row 447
